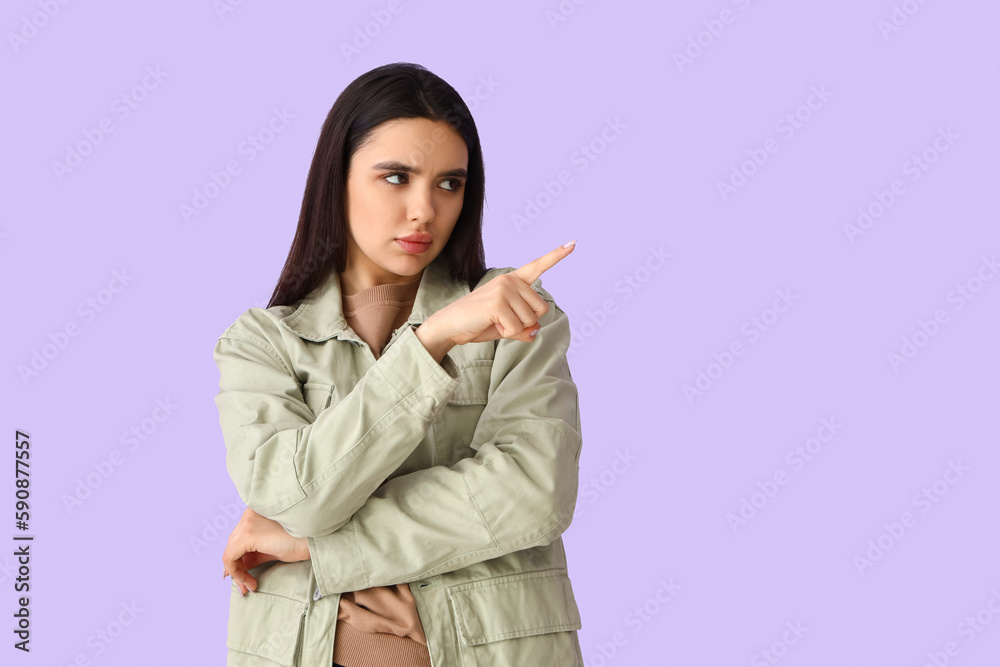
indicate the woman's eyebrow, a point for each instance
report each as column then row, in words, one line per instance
column 392, row 165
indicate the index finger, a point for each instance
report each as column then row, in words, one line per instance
column 533, row 270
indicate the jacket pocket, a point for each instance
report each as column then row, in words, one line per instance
column 264, row 625
column 456, row 423
column 518, row 619
column 474, row 388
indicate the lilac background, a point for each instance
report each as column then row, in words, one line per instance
column 663, row 472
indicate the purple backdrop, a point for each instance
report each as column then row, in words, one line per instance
column 784, row 304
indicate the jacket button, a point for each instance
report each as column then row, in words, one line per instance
column 316, row 595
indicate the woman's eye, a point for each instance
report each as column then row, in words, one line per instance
column 455, row 183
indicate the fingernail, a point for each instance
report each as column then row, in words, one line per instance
column 571, row 243
column 534, row 333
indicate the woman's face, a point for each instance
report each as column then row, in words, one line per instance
column 408, row 179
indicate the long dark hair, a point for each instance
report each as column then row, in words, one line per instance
column 396, row 90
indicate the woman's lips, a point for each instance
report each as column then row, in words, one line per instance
column 412, row 247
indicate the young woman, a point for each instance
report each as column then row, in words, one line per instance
column 400, row 421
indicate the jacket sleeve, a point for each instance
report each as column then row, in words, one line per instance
column 518, row 491
column 311, row 473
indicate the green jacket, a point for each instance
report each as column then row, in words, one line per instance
column 458, row 477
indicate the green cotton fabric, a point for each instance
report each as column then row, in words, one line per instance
column 456, row 477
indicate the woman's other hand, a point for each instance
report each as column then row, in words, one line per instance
column 256, row 540
column 505, row 307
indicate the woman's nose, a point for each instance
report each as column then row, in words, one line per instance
column 420, row 205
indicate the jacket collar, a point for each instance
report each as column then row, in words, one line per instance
column 320, row 314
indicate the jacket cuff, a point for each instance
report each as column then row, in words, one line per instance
column 409, row 365
column 337, row 564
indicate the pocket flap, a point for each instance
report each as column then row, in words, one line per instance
column 516, row 605
column 474, row 388
column 265, row 625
